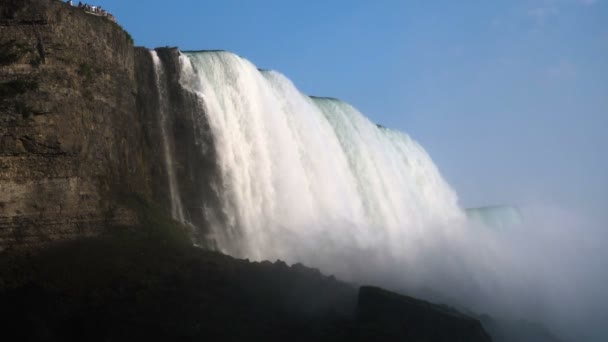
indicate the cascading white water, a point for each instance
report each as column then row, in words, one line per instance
column 177, row 210
column 309, row 179
column 312, row 180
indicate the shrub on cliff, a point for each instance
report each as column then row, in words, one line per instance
column 13, row 88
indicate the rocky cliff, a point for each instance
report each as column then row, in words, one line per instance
column 139, row 289
column 71, row 136
column 80, row 128
column 188, row 139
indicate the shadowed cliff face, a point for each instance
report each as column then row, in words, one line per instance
column 408, row 319
column 146, row 289
column 71, row 136
column 80, row 128
column 189, row 140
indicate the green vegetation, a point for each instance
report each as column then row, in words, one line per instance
column 23, row 109
column 11, row 52
column 35, row 61
column 11, row 89
column 87, row 94
column 87, row 71
column 129, row 38
column 148, row 283
column 157, row 242
column 156, row 224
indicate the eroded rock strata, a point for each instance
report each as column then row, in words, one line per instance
column 70, row 134
column 79, row 127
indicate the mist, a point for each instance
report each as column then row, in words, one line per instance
column 549, row 269
column 311, row 180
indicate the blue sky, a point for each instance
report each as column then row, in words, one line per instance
column 510, row 98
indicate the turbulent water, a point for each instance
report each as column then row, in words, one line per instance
column 309, row 179
column 283, row 175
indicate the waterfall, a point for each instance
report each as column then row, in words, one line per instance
column 271, row 173
column 311, row 179
column 177, row 211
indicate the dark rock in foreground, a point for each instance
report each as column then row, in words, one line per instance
column 518, row 330
column 128, row 288
column 387, row 316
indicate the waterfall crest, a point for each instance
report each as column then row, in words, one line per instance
column 311, row 179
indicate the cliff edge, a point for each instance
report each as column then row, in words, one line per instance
column 71, row 137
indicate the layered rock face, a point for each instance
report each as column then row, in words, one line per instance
column 80, row 128
column 71, row 137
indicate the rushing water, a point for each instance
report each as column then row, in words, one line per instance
column 307, row 179
column 177, row 210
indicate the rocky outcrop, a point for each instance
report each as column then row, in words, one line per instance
column 387, row 316
column 145, row 290
column 71, row 137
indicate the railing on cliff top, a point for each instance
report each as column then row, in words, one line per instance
column 93, row 10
